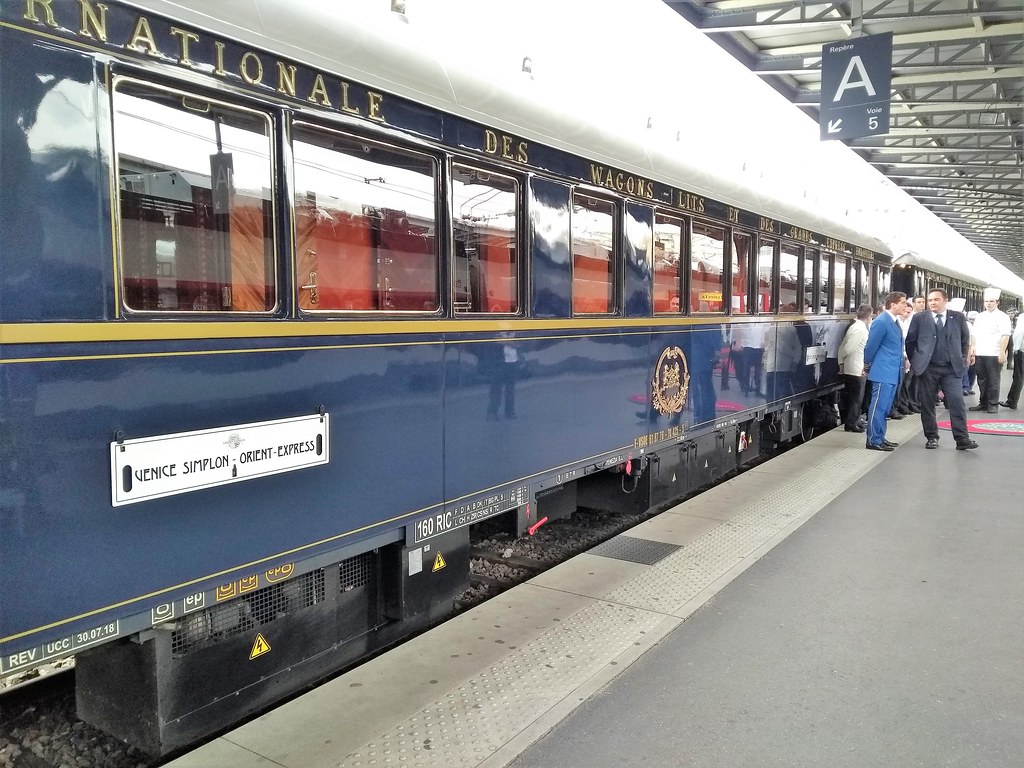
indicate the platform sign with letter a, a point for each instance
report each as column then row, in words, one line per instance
column 856, row 77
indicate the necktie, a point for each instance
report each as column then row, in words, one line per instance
column 938, row 323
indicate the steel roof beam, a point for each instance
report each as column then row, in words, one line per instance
column 962, row 91
column 787, row 15
column 938, row 58
column 994, row 142
column 1001, row 212
column 915, row 152
column 951, row 166
column 1012, row 30
column 963, row 130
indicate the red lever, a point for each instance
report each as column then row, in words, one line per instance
column 533, row 528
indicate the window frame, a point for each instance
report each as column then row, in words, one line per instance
column 828, row 261
column 724, row 276
column 442, row 200
column 797, row 251
column 683, row 268
column 617, row 257
column 276, row 235
column 774, row 289
column 522, row 251
column 751, row 257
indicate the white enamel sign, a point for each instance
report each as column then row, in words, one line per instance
column 165, row 465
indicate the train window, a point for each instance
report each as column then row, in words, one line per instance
column 856, row 290
column 884, row 281
column 840, row 283
column 593, row 255
column 789, row 277
column 365, row 225
column 669, row 245
column 765, row 273
column 825, row 283
column 840, row 274
column 707, row 268
column 741, row 247
column 867, row 283
column 195, row 198
column 485, row 211
column 808, row 282
column 852, row 296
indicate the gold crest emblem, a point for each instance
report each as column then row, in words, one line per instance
column 671, row 381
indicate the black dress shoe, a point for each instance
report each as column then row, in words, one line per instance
column 854, row 429
column 978, row 407
column 890, row 443
column 966, row 445
column 933, row 442
column 879, row 447
column 992, row 409
column 1007, row 405
column 895, row 415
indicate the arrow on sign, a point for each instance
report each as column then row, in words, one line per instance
column 834, row 126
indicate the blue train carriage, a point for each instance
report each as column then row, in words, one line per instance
column 272, row 339
column 916, row 274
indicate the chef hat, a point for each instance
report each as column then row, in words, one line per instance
column 992, row 294
column 957, row 305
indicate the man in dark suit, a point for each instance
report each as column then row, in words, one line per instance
column 883, row 360
column 939, row 348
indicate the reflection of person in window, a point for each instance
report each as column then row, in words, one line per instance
column 705, row 347
column 782, row 353
column 503, row 367
column 747, row 338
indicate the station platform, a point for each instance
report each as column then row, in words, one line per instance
column 833, row 606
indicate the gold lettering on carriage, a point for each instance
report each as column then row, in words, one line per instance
column 690, row 202
column 621, row 182
column 799, row 234
column 646, row 441
column 180, row 45
column 505, row 147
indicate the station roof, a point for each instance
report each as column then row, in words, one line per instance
column 956, row 135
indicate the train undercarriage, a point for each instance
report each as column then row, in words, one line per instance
column 188, row 678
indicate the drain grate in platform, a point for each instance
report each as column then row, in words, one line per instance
column 635, row 550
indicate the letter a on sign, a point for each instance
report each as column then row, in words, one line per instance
column 439, row 563
column 865, row 82
column 260, row 647
column 856, row 84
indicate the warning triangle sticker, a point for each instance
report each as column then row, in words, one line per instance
column 439, row 563
column 260, row 647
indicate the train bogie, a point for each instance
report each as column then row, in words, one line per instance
column 196, row 673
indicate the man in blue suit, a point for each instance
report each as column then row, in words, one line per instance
column 883, row 359
column 939, row 348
